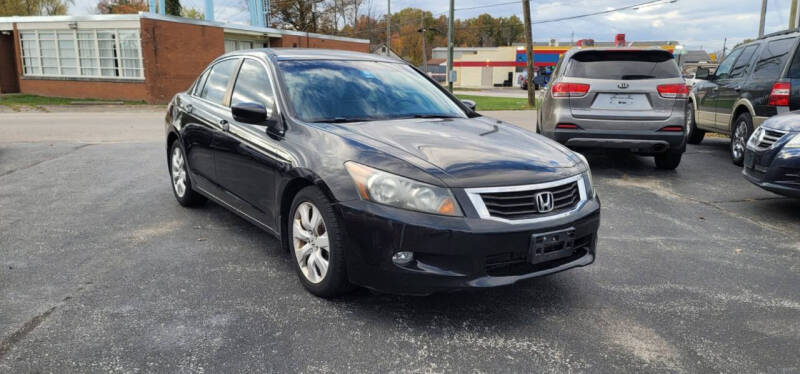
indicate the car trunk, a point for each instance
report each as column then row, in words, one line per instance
column 623, row 84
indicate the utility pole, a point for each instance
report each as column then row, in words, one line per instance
column 794, row 15
column 763, row 17
column 388, row 26
column 422, row 32
column 724, row 47
column 526, row 12
column 450, row 47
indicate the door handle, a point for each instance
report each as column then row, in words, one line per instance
column 224, row 124
column 188, row 108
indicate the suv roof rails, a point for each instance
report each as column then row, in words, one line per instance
column 778, row 33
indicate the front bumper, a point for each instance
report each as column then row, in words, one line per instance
column 776, row 169
column 453, row 252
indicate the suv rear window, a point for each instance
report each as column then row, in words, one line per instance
column 623, row 65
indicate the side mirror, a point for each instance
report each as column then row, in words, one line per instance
column 469, row 103
column 257, row 114
column 252, row 113
column 702, row 73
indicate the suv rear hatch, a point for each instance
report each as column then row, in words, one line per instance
column 625, row 84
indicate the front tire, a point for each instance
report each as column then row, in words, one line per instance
column 668, row 160
column 317, row 244
column 694, row 135
column 742, row 129
column 179, row 174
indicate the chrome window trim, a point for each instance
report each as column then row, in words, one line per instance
column 477, row 202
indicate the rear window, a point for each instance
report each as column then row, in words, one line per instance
column 623, row 65
column 772, row 59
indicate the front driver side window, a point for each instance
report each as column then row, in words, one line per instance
column 725, row 67
column 252, row 86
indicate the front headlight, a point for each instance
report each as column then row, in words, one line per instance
column 390, row 189
column 588, row 183
column 794, row 143
column 755, row 139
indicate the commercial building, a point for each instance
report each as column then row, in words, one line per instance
column 141, row 56
column 498, row 66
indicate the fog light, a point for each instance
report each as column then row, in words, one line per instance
column 402, row 258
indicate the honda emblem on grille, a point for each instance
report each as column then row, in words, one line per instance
column 623, row 85
column 544, row 201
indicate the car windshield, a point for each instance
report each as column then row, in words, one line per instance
column 349, row 91
column 623, row 65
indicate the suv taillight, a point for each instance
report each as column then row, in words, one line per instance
column 673, row 91
column 569, row 89
column 780, row 94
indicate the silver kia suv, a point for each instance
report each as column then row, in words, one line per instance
column 622, row 98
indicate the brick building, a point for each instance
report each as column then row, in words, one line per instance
column 141, row 56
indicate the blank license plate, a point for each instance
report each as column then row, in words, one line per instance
column 621, row 101
column 551, row 245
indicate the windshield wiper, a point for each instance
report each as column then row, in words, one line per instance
column 431, row 116
column 342, row 120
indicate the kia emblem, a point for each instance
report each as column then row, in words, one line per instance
column 623, row 85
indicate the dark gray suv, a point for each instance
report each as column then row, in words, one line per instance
column 624, row 98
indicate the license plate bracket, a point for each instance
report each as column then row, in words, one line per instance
column 551, row 245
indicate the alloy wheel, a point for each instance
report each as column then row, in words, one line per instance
column 739, row 140
column 178, row 172
column 310, row 242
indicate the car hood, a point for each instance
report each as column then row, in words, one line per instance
column 469, row 152
column 789, row 121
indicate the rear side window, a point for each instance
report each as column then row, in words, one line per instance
column 217, row 82
column 772, row 59
column 743, row 62
column 623, row 65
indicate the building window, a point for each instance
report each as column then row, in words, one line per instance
column 82, row 53
column 237, row 45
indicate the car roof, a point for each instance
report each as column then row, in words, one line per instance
column 283, row 54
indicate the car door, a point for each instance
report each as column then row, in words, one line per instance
column 730, row 88
column 246, row 157
column 707, row 92
column 200, row 118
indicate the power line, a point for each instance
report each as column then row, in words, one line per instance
column 639, row 5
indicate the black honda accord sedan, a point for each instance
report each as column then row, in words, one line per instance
column 373, row 175
column 772, row 156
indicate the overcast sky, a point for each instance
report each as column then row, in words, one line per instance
column 694, row 23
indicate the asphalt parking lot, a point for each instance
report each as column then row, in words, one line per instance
column 102, row 271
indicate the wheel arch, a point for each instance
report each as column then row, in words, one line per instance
column 300, row 180
column 741, row 106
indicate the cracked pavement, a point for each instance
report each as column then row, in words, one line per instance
column 101, row 270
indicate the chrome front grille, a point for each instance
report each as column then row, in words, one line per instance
column 768, row 137
column 519, row 204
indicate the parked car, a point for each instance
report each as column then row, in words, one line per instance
column 372, row 174
column 772, row 157
column 757, row 80
column 629, row 98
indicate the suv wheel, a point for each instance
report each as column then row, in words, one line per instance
column 668, row 160
column 317, row 244
column 742, row 129
column 693, row 134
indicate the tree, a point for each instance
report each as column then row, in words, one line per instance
column 121, row 6
column 192, row 13
column 173, row 7
column 34, row 7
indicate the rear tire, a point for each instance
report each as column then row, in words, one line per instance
column 317, row 244
column 179, row 175
column 741, row 131
column 694, row 135
column 668, row 160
